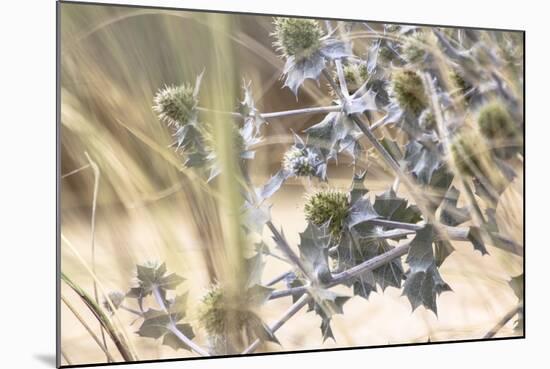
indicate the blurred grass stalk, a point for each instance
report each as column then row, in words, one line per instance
column 220, row 79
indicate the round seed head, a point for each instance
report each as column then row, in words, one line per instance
column 328, row 206
column 495, row 122
column 297, row 37
column 217, row 314
column 409, row 91
column 355, row 75
column 175, row 104
column 470, row 154
column 299, row 162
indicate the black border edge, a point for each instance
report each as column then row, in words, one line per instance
column 58, row 188
column 524, row 180
column 58, row 184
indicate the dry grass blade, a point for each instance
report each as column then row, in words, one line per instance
column 103, row 319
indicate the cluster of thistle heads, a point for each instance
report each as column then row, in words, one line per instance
column 398, row 68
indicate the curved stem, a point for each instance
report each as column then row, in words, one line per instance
column 314, row 110
column 279, row 114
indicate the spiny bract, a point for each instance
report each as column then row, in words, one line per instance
column 298, row 162
column 328, row 206
column 175, row 104
column 297, row 37
column 409, row 91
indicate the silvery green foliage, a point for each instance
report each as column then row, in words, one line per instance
column 158, row 324
column 162, row 322
column 305, row 49
column 423, row 283
column 403, row 85
column 364, row 240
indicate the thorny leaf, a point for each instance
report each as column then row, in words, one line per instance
column 314, row 243
column 274, row 183
column 334, row 134
column 450, row 214
column 366, row 102
column 423, row 157
column 256, row 217
column 423, row 287
column 392, row 207
column 297, row 71
column 361, row 211
column 151, row 276
column 357, row 247
column 248, row 109
column 423, row 283
column 160, row 324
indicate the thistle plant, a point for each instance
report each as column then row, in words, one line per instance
column 408, row 89
column 362, row 240
column 176, row 105
column 298, row 38
column 331, row 206
column 499, row 129
column 301, row 162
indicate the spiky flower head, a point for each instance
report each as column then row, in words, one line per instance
column 297, row 37
column 355, row 74
column 176, row 105
column 218, row 315
column 495, row 122
column 300, row 162
column 414, row 47
column 329, row 206
column 116, row 299
column 469, row 153
column 409, row 91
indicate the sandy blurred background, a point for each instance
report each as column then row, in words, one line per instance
column 113, row 60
